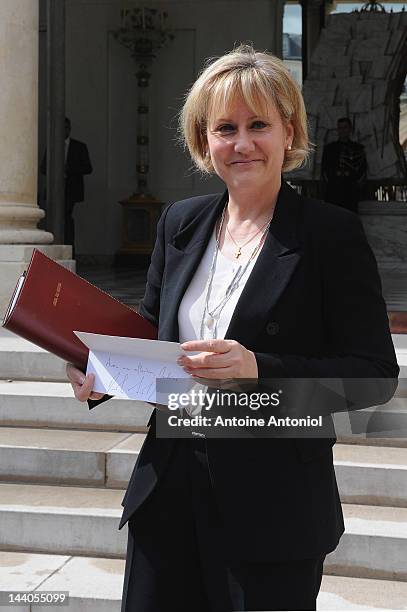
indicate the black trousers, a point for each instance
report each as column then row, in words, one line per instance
column 177, row 559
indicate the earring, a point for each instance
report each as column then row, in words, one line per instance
column 289, row 147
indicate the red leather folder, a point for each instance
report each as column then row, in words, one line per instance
column 50, row 302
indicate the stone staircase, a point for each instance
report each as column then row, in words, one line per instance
column 64, row 469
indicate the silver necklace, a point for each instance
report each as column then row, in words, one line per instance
column 210, row 318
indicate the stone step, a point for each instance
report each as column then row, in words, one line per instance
column 94, row 458
column 374, row 544
column 366, row 475
column 400, row 345
column 52, row 404
column 84, row 521
column 386, row 421
column 400, row 341
column 95, row 584
column 62, row 520
column 22, row 252
column 343, row 593
column 363, row 441
column 120, row 461
column 371, row 475
column 23, row 360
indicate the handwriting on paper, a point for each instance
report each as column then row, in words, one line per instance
column 131, row 368
column 131, row 377
column 138, row 379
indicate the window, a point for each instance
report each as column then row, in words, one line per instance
column 292, row 34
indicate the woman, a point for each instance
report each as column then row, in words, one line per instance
column 263, row 283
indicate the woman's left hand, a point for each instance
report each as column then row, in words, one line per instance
column 220, row 359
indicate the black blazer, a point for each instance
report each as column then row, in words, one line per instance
column 77, row 164
column 312, row 307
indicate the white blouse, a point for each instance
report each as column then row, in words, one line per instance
column 192, row 305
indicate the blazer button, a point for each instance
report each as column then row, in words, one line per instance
column 272, row 328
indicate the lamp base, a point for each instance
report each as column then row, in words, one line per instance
column 140, row 217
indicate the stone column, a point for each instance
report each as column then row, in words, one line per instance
column 277, row 14
column 19, row 212
column 312, row 24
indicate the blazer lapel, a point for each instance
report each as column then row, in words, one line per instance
column 272, row 271
column 183, row 256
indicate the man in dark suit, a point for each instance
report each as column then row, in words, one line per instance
column 343, row 168
column 77, row 164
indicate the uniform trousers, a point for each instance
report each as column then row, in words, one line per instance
column 177, row 557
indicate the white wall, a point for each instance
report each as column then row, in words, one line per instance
column 101, row 99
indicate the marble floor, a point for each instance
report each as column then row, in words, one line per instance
column 394, row 285
column 395, row 290
column 127, row 284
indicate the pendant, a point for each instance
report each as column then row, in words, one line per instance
column 239, row 252
column 209, row 321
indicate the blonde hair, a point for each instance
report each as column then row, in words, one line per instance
column 258, row 78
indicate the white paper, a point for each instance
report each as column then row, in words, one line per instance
column 130, row 367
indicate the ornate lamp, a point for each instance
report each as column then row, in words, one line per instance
column 373, row 7
column 143, row 32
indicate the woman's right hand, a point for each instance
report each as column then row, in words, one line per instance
column 82, row 385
